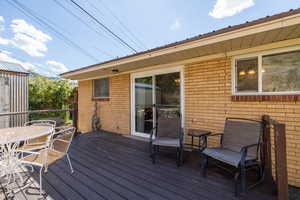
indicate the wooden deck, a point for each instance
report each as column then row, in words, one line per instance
column 114, row 167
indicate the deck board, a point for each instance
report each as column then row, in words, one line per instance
column 158, row 174
column 109, row 166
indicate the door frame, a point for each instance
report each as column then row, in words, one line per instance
column 133, row 76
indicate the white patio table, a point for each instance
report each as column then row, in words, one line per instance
column 24, row 133
column 9, row 136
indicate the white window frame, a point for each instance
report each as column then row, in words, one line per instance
column 259, row 55
column 101, row 97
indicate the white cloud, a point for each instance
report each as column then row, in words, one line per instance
column 225, row 8
column 28, row 44
column 4, row 41
column 28, row 38
column 176, row 25
column 56, row 67
column 1, row 19
column 21, row 26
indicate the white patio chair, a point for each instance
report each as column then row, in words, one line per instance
column 10, row 166
column 42, row 141
column 57, row 150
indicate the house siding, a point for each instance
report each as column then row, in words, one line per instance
column 208, row 102
column 114, row 113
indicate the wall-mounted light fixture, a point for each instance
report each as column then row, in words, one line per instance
column 115, row 71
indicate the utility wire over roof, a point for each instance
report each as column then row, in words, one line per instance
column 198, row 37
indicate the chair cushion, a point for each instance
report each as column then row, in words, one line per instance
column 230, row 157
column 169, row 142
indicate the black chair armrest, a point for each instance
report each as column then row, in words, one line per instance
column 244, row 151
column 248, row 146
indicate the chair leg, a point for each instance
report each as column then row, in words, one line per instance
column 151, row 149
column 243, row 179
column 41, row 188
column 204, row 162
column 259, row 173
column 153, row 156
column 237, row 183
column 177, row 157
column 71, row 167
column 181, row 156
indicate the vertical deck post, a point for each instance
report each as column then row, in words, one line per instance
column 75, row 116
column 281, row 161
column 267, row 159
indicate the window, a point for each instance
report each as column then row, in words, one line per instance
column 247, row 75
column 276, row 72
column 101, row 88
column 281, row 72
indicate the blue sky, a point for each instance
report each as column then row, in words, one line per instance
column 142, row 24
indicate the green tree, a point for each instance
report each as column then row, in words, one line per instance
column 45, row 93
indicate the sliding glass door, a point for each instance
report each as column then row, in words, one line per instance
column 158, row 88
column 143, row 105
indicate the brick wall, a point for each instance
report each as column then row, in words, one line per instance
column 85, row 105
column 208, row 102
column 114, row 113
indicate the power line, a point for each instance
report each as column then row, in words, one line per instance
column 125, row 33
column 123, row 25
column 83, row 22
column 105, row 27
column 93, row 6
column 106, row 34
column 103, row 33
column 104, row 52
column 114, row 40
column 29, row 13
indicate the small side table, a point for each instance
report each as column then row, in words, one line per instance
column 198, row 133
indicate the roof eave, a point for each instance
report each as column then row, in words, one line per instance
column 276, row 21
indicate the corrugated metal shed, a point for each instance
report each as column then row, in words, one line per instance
column 13, row 93
column 12, row 67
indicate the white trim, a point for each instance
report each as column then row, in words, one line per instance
column 240, row 32
column 259, row 55
column 133, row 76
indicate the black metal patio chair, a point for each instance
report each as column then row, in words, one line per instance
column 240, row 147
column 167, row 133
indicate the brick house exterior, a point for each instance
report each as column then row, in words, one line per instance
column 208, row 91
